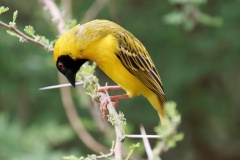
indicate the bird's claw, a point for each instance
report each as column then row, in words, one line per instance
column 103, row 106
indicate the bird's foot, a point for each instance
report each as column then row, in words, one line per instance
column 108, row 88
column 114, row 100
column 104, row 103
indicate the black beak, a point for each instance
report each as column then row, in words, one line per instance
column 71, row 77
column 69, row 67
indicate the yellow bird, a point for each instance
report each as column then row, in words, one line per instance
column 118, row 53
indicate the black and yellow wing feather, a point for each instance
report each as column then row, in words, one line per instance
column 137, row 61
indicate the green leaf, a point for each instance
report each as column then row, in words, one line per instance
column 123, row 119
column 3, row 9
column 179, row 137
column 69, row 24
column 29, row 30
column 195, row 2
column 15, row 15
column 91, row 157
column 211, row 21
column 12, row 33
column 21, row 39
column 171, row 143
column 170, row 108
column 73, row 158
column 174, row 18
column 13, row 23
column 131, row 149
column 111, row 119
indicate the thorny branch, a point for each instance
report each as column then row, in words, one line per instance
column 93, row 11
column 51, row 6
column 26, row 37
column 67, row 98
column 117, row 151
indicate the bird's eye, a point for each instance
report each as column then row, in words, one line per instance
column 60, row 65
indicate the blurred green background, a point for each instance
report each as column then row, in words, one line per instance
column 199, row 66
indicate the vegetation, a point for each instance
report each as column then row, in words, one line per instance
column 194, row 45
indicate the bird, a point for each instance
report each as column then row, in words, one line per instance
column 118, row 53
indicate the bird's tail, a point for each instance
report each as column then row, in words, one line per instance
column 159, row 106
column 163, row 118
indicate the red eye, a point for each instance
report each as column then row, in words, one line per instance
column 60, row 65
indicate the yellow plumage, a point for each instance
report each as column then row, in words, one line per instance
column 118, row 54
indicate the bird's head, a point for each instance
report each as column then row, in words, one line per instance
column 75, row 47
column 66, row 53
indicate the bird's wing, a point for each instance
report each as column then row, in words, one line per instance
column 137, row 61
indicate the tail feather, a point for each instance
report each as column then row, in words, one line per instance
column 159, row 106
column 163, row 119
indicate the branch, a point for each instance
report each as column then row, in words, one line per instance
column 142, row 136
column 55, row 14
column 66, row 94
column 76, row 122
column 26, row 37
column 67, row 8
column 146, row 143
column 118, row 127
column 94, row 10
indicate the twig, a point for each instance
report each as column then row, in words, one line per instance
column 112, row 111
column 142, row 136
column 94, row 10
column 146, row 143
column 26, row 37
column 95, row 111
column 106, row 155
column 103, row 125
column 118, row 128
column 77, row 124
column 55, row 14
column 67, row 8
column 60, row 86
column 109, row 154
